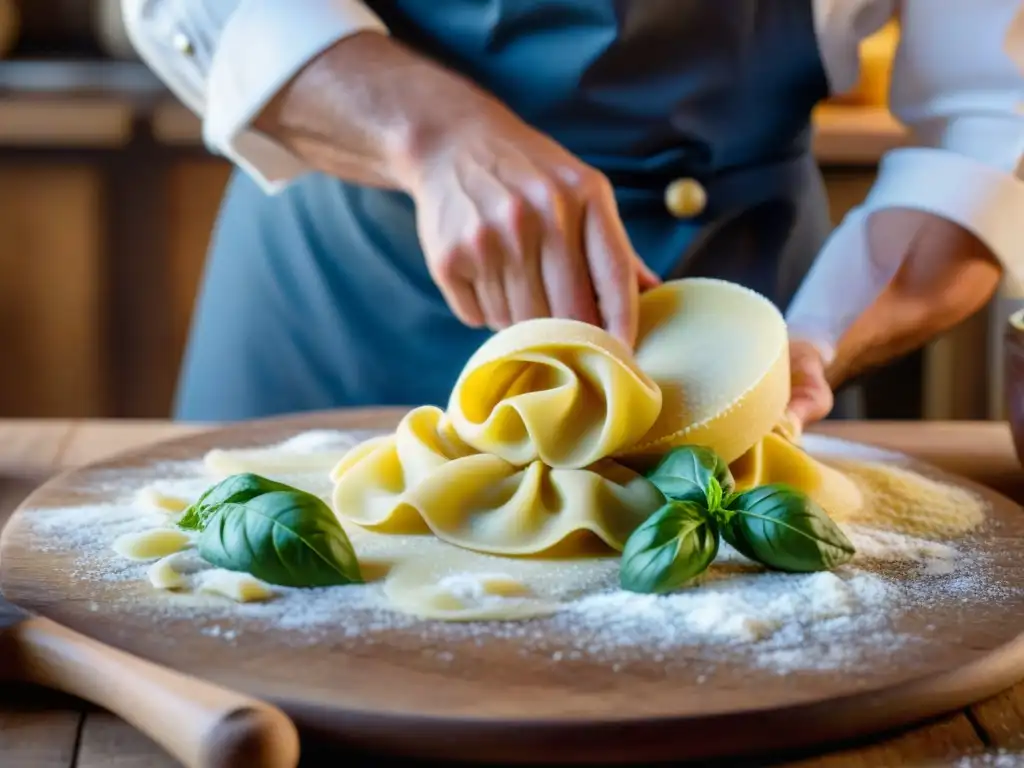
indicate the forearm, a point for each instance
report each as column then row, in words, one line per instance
column 948, row 275
column 366, row 107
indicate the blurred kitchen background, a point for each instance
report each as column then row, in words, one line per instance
column 107, row 197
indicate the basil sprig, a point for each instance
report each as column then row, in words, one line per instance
column 236, row 489
column 693, row 473
column 669, row 548
column 273, row 531
column 775, row 525
column 780, row 527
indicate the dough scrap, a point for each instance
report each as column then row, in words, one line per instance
column 424, row 479
column 163, row 575
column 152, row 544
column 153, row 498
column 270, row 462
column 459, row 589
column 240, row 587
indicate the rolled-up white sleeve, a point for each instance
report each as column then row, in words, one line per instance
column 226, row 59
column 958, row 84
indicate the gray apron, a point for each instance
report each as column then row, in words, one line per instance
column 319, row 297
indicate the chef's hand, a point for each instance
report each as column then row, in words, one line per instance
column 810, row 397
column 515, row 227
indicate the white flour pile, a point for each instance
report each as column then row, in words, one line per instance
column 777, row 622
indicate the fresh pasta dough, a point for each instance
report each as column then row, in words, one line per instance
column 153, row 498
column 424, row 478
column 454, row 589
column 774, row 459
column 560, row 391
column 551, row 421
column 152, row 544
column 163, row 575
column 269, row 461
column 240, row 587
column 720, row 355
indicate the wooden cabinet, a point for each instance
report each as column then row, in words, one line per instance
column 194, row 190
column 53, row 352
column 101, row 254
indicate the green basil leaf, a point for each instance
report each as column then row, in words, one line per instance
column 234, row 489
column 782, row 528
column 291, row 538
column 685, row 474
column 714, row 494
column 669, row 548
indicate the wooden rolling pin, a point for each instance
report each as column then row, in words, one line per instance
column 202, row 725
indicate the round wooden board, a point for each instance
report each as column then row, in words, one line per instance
column 489, row 702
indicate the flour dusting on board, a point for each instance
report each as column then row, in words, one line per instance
column 775, row 621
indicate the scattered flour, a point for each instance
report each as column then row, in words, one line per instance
column 777, row 622
column 997, row 759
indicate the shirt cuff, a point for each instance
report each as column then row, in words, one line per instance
column 847, row 277
column 986, row 201
column 843, row 282
column 263, row 46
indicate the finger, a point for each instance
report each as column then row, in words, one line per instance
column 611, row 258
column 490, row 293
column 486, row 259
column 524, row 282
column 790, row 426
column 646, row 277
column 456, row 288
column 524, row 290
column 567, row 283
column 461, row 299
column 810, row 401
column 799, row 412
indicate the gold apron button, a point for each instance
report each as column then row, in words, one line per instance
column 685, row 198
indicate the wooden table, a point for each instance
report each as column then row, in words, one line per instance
column 42, row 730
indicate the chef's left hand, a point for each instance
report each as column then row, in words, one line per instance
column 810, row 397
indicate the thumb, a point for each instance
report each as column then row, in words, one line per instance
column 798, row 413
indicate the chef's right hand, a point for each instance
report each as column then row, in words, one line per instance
column 515, row 227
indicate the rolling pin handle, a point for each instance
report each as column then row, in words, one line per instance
column 200, row 724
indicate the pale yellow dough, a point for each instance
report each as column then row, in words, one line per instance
column 153, row 498
column 163, row 575
column 423, row 478
column 458, row 589
column 240, row 587
column 560, row 391
column 151, row 545
column 551, row 420
column 774, row 459
column 270, row 462
column 720, row 354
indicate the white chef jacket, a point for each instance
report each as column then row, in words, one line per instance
column 957, row 83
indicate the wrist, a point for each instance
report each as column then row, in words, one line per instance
column 434, row 129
